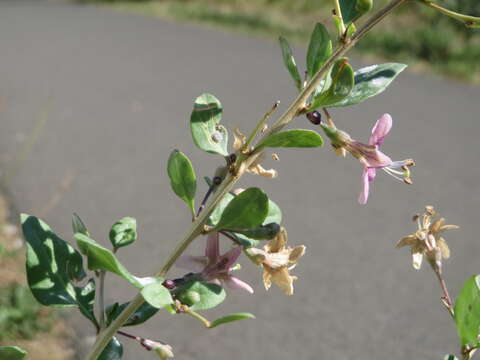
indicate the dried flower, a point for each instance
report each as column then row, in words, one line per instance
column 427, row 240
column 255, row 167
column 369, row 154
column 164, row 351
column 214, row 267
column 277, row 260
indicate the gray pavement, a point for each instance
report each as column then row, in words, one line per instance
column 118, row 90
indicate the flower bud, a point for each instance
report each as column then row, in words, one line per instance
column 363, row 6
column 164, row 351
column 190, row 297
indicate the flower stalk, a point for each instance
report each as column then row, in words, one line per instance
column 232, row 177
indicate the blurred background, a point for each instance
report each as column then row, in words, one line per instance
column 93, row 100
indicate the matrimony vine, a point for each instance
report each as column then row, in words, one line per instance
column 245, row 218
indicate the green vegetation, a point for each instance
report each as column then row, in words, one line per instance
column 20, row 314
column 426, row 38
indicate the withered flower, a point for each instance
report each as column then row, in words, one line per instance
column 427, row 240
column 277, row 260
column 255, row 167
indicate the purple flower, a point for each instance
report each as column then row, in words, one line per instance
column 374, row 159
column 369, row 154
column 214, row 267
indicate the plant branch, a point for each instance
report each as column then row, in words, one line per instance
column 232, row 177
column 447, row 300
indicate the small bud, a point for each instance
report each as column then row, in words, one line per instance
column 430, row 210
column 164, row 351
column 231, row 159
column 275, row 157
column 217, row 180
column 169, row 284
column 315, row 117
column 190, row 297
column 408, row 181
column 364, row 6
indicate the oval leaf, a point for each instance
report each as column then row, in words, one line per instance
column 123, row 232
column 182, row 178
column 319, row 49
column 371, row 81
column 142, row 314
column 113, row 350
column 245, row 211
column 467, row 311
column 296, row 138
column 274, row 216
column 12, row 353
column 289, row 62
column 264, row 232
column 231, row 318
column 100, row 258
column 353, row 9
column 156, row 294
column 341, row 86
column 53, row 268
column 209, row 295
column 207, row 134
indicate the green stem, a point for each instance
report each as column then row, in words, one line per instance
column 460, row 17
column 101, row 298
column 199, row 317
column 230, row 180
column 261, row 124
column 338, row 12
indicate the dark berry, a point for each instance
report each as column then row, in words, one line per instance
column 315, row 117
column 217, row 180
column 169, row 284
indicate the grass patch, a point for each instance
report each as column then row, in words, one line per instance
column 415, row 34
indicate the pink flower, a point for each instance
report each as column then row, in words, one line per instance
column 374, row 159
column 369, row 154
column 214, row 267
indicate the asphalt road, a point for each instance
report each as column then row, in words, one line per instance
column 91, row 104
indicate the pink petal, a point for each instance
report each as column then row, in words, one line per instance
column 192, row 263
column 232, row 256
column 378, row 159
column 381, row 128
column 368, row 176
column 235, row 283
column 212, row 250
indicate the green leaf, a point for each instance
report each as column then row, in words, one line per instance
column 274, row 216
column 319, row 49
column 86, row 300
column 113, row 350
column 207, row 134
column 142, row 314
column 207, row 295
column 182, row 178
column 467, row 311
column 371, row 81
column 12, row 353
column 53, row 266
column 450, row 357
column 247, row 210
column 353, row 9
column 100, row 258
column 296, row 138
column 231, row 318
column 341, row 86
column 289, row 62
column 263, row 232
column 123, row 232
column 156, row 294
column 78, row 226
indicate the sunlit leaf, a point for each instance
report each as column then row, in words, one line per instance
column 231, row 318
column 182, row 178
column 207, row 133
column 289, row 62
